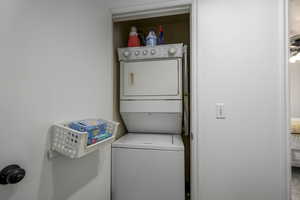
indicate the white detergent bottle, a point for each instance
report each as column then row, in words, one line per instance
column 151, row 39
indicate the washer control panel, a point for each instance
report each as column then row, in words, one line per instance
column 148, row 52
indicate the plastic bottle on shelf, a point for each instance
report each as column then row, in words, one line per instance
column 161, row 39
column 133, row 40
column 151, row 39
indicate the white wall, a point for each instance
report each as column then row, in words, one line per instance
column 47, row 45
column 294, row 69
column 240, row 64
column 55, row 65
column 240, row 43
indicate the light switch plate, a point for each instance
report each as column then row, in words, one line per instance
column 220, row 114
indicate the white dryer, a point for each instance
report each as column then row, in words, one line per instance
column 148, row 167
column 151, row 96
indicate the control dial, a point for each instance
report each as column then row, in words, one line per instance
column 137, row 53
column 152, row 51
column 145, row 52
column 126, row 53
column 172, row 51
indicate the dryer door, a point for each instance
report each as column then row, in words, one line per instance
column 154, row 79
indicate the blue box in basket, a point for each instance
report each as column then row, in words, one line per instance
column 95, row 128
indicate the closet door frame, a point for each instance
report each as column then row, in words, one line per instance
column 165, row 9
column 182, row 6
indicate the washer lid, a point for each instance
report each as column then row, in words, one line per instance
column 150, row 141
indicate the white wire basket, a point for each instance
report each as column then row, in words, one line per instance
column 74, row 144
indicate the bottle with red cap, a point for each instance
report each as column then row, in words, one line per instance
column 133, row 40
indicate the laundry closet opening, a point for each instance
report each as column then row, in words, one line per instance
column 156, row 111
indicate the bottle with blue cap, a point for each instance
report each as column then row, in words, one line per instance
column 151, row 39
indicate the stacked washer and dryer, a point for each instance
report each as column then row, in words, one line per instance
column 148, row 161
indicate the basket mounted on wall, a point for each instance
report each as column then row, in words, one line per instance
column 74, row 144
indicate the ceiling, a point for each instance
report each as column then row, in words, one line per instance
column 294, row 20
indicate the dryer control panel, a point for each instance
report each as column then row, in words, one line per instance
column 149, row 52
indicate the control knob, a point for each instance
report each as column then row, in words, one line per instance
column 145, row 52
column 153, row 52
column 172, row 51
column 126, row 53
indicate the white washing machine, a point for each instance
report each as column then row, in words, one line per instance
column 148, row 167
column 148, row 162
